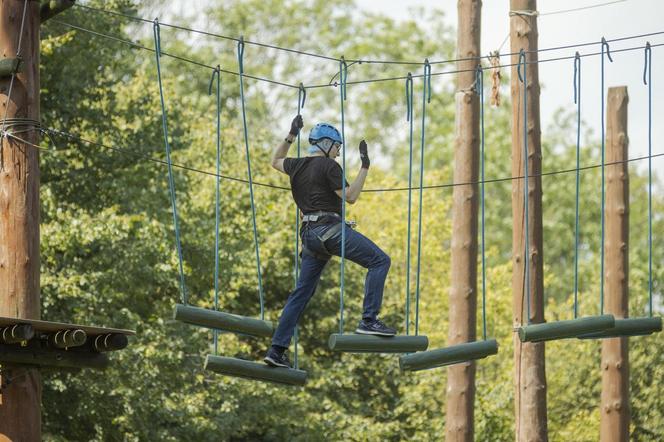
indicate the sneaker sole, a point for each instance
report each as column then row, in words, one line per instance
column 272, row 363
column 359, row 331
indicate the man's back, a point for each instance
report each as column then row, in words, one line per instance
column 314, row 182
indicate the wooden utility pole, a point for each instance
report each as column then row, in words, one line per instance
column 459, row 418
column 20, row 415
column 530, row 374
column 615, row 413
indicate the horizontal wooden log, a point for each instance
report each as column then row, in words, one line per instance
column 9, row 66
column 51, row 8
column 255, row 371
column 16, row 333
column 223, row 321
column 565, row 329
column 629, row 327
column 110, row 342
column 454, row 354
column 356, row 343
column 67, row 338
column 35, row 354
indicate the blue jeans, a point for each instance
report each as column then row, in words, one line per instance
column 359, row 249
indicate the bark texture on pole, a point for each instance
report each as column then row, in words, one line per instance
column 459, row 418
column 530, row 375
column 20, row 416
column 615, row 412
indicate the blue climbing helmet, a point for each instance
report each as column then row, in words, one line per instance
column 322, row 137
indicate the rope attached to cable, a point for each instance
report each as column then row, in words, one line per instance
column 171, row 179
column 524, row 81
column 577, row 101
column 426, row 98
column 479, row 81
column 301, row 98
column 240, row 60
column 409, row 118
column 343, row 78
column 647, row 69
column 216, row 74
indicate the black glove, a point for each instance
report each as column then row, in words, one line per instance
column 296, row 125
column 364, row 155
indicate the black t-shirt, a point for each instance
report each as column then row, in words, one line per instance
column 314, row 181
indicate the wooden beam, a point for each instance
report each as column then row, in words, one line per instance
column 20, row 402
column 460, row 403
column 530, row 373
column 615, row 413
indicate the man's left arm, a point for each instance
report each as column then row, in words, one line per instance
column 281, row 150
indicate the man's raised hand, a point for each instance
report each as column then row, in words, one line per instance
column 364, row 155
column 296, row 125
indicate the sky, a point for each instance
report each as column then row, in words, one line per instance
column 614, row 20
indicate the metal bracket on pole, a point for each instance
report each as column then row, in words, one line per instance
column 52, row 8
column 10, row 66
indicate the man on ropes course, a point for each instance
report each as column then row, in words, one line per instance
column 316, row 184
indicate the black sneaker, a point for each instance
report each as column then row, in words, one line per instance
column 275, row 359
column 376, row 327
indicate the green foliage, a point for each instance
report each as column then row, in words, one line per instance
column 107, row 237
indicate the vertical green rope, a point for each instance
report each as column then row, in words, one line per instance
column 577, row 100
column 479, row 80
column 526, row 177
column 426, row 98
column 301, row 97
column 605, row 45
column 648, row 81
column 171, row 179
column 409, row 118
column 343, row 77
column 240, row 56
column 216, row 73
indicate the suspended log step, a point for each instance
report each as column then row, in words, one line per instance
column 357, row 343
column 629, row 327
column 219, row 320
column 454, row 354
column 255, row 371
column 565, row 329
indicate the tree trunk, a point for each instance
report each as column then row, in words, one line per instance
column 530, row 375
column 459, row 421
column 615, row 413
column 20, row 417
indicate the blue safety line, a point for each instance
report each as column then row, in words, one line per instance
column 171, row 180
column 648, row 69
column 409, row 118
column 216, row 73
column 577, row 100
column 240, row 56
column 426, row 98
column 343, row 77
column 479, row 80
column 301, row 97
column 605, row 45
column 526, row 177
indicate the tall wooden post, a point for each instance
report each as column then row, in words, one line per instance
column 20, row 415
column 459, row 423
column 615, row 413
column 530, row 375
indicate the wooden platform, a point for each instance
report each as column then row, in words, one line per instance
column 52, row 327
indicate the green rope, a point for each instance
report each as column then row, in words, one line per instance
column 301, row 97
column 240, row 56
column 479, row 80
column 343, row 77
column 426, row 98
column 217, row 207
column 577, row 100
column 648, row 81
column 171, row 180
column 605, row 45
column 524, row 80
column 409, row 118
